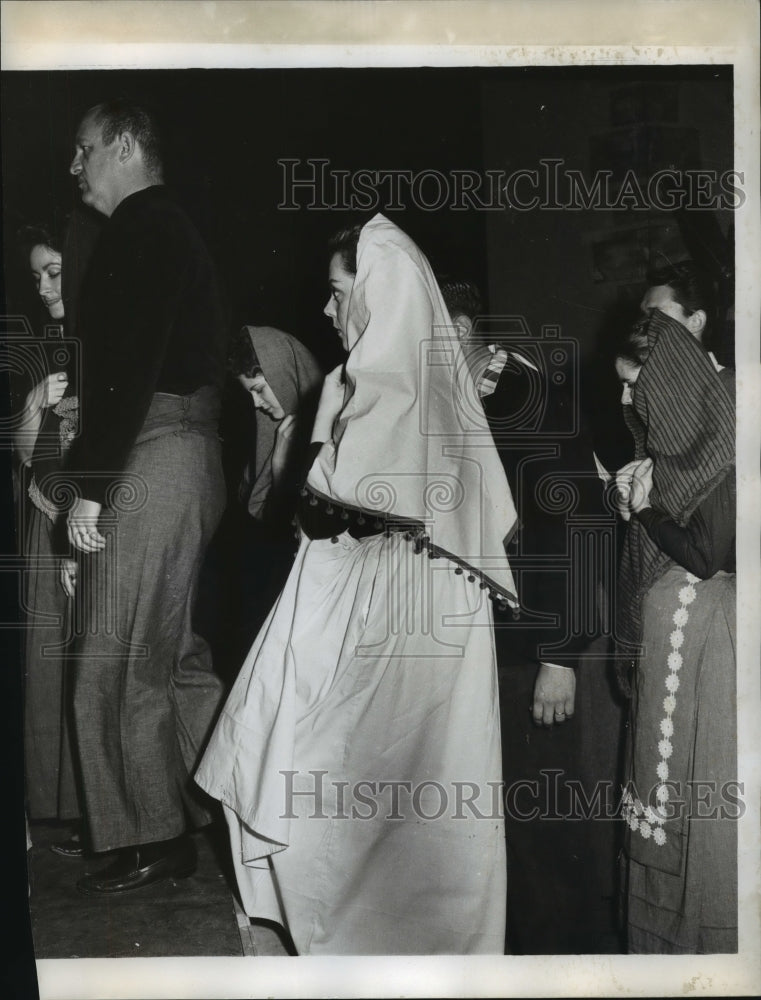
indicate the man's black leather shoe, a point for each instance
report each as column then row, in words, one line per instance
column 145, row 864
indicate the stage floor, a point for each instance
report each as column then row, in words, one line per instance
column 196, row 916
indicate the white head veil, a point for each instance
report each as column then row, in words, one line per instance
column 411, row 441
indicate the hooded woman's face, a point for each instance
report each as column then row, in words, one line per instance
column 263, row 396
column 337, row 309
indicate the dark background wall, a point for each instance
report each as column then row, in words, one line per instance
column 227, row 129
column 543, row 263
column 584, row 270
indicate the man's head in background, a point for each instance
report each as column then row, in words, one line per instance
column 684, row 293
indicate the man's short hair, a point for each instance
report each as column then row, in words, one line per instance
column 462, row 297
column 690, row 286
column 121, row 115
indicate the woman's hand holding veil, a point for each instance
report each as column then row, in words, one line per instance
column 642, row 483
column 283, row 441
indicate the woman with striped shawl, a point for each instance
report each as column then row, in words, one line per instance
column 676, row 632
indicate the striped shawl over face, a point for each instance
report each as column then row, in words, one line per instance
column 688, row 421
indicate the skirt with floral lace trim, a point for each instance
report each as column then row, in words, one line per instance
column 682, row 800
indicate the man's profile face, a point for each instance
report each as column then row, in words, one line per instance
column 463, row 326
column 94, row 166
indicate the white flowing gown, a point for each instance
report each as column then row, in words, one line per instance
column 358, row 757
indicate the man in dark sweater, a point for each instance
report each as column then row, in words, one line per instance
column 553, row 660
column 146, row 469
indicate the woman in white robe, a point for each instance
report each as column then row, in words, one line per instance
column 358, row 754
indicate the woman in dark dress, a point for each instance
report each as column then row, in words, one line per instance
column 676, row 630
column 51, row 410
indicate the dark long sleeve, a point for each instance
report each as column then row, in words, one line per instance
column 150, row 319
column 706, row 544
column 556, row 488
column 283, row 498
